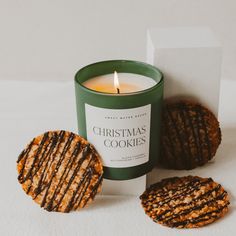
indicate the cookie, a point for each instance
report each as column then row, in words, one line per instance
column 185, row 202
column 190, row 135
column 60, row 170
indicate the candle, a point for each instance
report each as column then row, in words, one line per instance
column 119, row 83
column 120, row 113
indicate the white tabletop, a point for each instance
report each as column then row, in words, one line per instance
column 30, row 108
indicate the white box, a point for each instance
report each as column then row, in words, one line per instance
column 190, row 59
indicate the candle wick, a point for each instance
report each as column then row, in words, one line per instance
column 118, row 90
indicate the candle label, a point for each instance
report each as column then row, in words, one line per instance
column 121, row 136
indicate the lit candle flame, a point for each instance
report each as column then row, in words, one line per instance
column 116, row 82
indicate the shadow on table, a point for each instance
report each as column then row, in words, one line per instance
column 105, row 201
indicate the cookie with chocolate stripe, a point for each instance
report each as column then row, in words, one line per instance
column 185, row 202
column 190, row 135
column 60, row 170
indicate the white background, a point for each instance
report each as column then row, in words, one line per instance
column 49, row 39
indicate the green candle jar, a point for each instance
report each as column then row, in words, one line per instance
column 123, row 126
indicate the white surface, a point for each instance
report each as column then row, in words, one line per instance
column 133, row 187
column 53, row 39
column 190, row 59
column 30, row 108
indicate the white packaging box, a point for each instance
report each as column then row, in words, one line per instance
column 190, row 59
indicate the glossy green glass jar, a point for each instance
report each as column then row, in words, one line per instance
column 124, row 128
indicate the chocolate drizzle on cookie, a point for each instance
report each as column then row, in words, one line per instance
column 187, row 202
column 60, row 170
column 190, row 135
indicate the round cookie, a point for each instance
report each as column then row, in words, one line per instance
column 190, row 135
column 60, row 170
column 185, row 202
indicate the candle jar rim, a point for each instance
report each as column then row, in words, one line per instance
column 121, row 66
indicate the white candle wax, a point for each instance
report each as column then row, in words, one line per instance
column 128, row 83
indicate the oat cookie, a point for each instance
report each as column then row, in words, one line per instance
column 185, row 202
column 190, row 135
column 60, row 170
